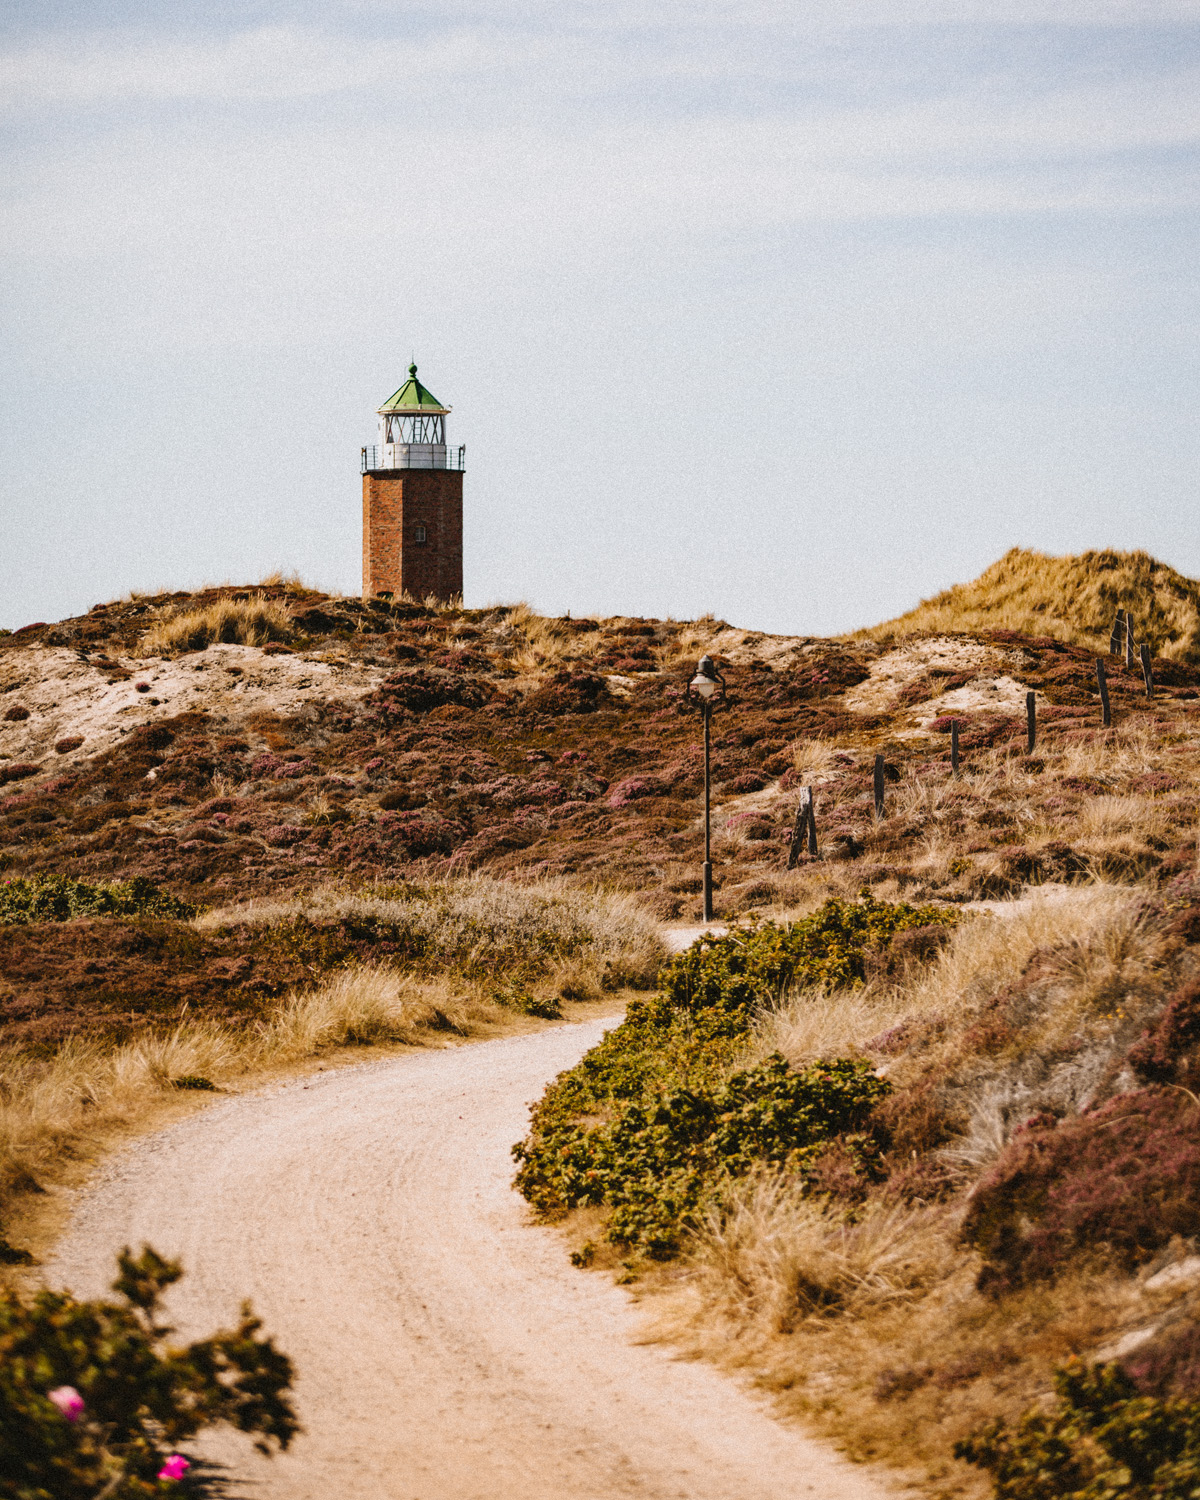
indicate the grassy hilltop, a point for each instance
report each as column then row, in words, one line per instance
column 1073, row 599
column 901, row 1154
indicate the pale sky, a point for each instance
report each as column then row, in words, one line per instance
column 796, row 313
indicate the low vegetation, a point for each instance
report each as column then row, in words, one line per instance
column 381, row 737
column 95, row 1397
column 55, row 898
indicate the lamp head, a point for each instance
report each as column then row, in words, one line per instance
column 705, row 680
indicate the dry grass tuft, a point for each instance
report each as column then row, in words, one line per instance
column 693, row 640
column 357, row 1007
column 1096, row 931
column 985, row 954
column 245, row 622
column 537, row 644
column 282, row 580
column 769, row 1257
column 49, row 1106
column 812, row 758
column 828, row 1023
column 1073, row 598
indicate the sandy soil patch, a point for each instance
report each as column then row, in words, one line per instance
column 999, row 694
column 742, row 646
column 893, row 672
column 991, row 688
column 66, row 696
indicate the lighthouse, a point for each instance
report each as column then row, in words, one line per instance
column 412, row 500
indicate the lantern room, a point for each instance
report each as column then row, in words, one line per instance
column 412, row 432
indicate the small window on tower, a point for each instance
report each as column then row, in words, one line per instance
column 419, row 536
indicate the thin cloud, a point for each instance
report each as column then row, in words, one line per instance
column 274, row 62
column 814, row 16
column 541, row 51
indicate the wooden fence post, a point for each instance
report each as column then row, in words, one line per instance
column 879, row 786
column 1147, row 674
column 954, row 747
column 806, row 821
column 1130, row 647
column 1102, row 681
column 1118, row 630
column 1031, row 722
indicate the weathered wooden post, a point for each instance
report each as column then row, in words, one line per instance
column 1030, row 722
column 1102, row 682
column 1147, row 674
column 1130, row 646
column 954, row 747
column 806, row 821
column 1118, row 630
column 879, row 786
column 798, row 830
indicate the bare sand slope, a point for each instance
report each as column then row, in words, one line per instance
column 446, row 1349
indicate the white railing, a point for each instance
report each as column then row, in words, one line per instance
column 412, row 456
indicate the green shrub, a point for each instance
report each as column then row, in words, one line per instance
column 1103, row 1441
column 93, row 1400
column 650, row 1123
column 656, row 1162
column 829, row 948
column 56, row 898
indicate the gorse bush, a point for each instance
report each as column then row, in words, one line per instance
column 652, row 1122
column 56, row 898
column 1104, row 1440
column 830, row 949
column 93, row 1400
column 655, row 1163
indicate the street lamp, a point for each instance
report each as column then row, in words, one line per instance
column 705, row 689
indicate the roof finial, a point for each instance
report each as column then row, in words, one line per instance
column 412, row 369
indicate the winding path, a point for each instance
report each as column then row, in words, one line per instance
column 446, row 1349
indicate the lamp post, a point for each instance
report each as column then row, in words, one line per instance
column 703, row 690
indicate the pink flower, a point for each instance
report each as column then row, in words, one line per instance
column 69, row 1402
column 175, row 1467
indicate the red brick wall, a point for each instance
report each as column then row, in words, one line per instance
column 395, row 503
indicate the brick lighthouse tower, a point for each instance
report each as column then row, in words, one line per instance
column 412, row 500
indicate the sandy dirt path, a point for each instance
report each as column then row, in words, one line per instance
column 446, row 1349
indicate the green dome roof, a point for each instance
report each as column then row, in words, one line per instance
column 413, row 397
